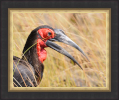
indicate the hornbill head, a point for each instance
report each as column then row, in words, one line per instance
column 46, row 36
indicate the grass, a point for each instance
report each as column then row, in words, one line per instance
column 88, row 30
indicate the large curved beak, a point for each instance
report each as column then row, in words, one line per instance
column 61, row 37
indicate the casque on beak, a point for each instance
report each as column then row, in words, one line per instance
column 61, row 37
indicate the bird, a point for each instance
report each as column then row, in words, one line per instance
column 28, row 70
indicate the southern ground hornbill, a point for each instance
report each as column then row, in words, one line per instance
column 28, row 71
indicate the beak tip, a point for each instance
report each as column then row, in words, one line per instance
column 79, row 66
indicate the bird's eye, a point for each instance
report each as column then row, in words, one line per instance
column 49, row 33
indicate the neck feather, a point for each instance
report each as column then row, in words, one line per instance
column 35, row 56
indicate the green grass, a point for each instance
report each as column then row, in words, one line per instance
column 88, row 30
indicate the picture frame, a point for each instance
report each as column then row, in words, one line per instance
column 51, row 93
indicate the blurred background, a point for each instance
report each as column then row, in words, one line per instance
column 88, row 30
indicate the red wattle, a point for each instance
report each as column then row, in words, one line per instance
column 42, row 54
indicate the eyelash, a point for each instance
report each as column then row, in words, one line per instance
column 49, row 33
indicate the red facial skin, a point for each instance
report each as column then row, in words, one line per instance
column 41, row 43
